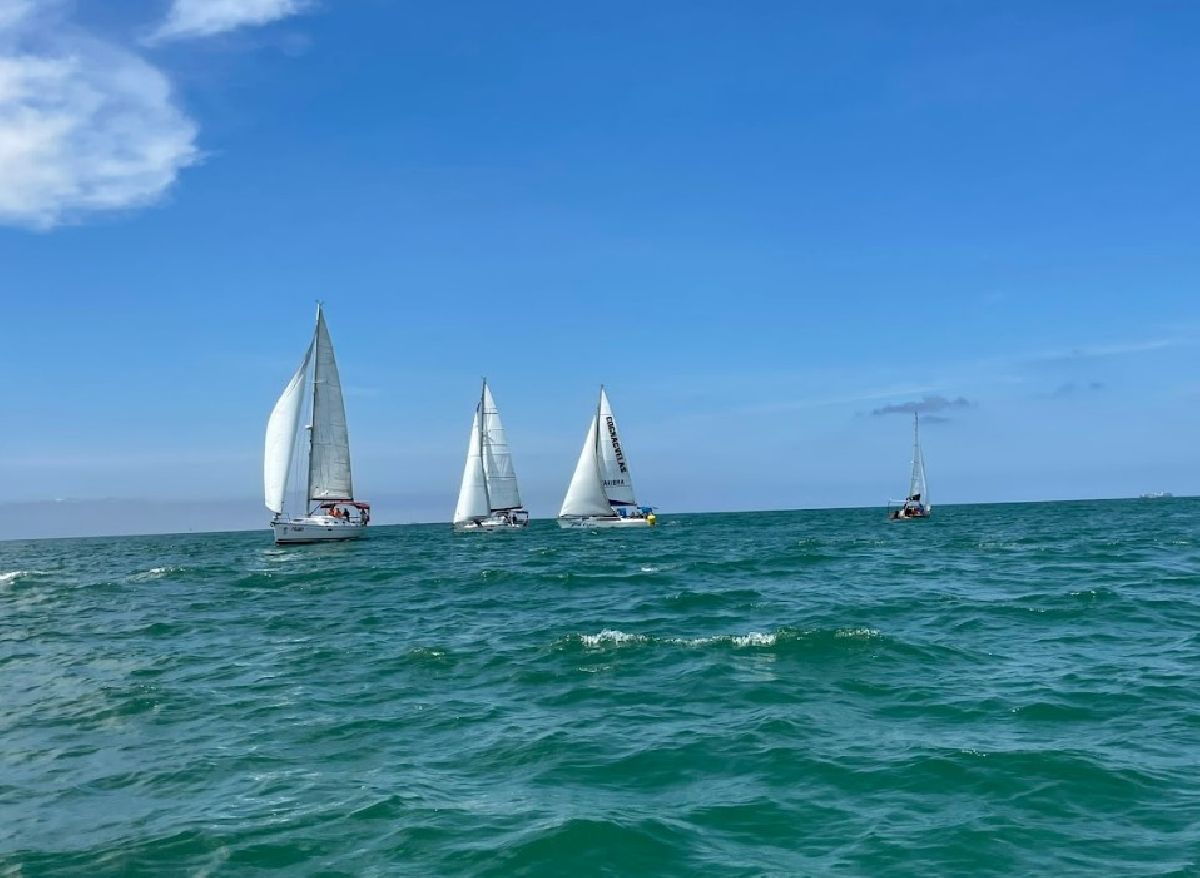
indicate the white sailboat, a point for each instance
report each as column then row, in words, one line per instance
column 601, row 490
column 916, row 504
column 330, row 511
column 489, row 498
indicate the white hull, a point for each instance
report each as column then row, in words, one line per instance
column 489, row 525
column 316, row 529
column 589, row 522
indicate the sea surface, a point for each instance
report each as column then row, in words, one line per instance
column 1001, row 690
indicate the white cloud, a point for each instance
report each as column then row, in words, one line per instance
column 85, row 124
column 204, row 18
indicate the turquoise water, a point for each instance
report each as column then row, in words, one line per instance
column 1004, row 690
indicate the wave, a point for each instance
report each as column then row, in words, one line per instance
column 753, row 639
column 681, row 601
column 156, row 573
column 13, row 576
column 624, row 847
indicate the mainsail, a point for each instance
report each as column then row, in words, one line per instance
column 329, row 460
column 280, row 442
column 473, row 494
column 917, row 489
column 614, row 467
column 586, row 496
column 497, row 458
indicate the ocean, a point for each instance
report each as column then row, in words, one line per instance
column 1000, row 690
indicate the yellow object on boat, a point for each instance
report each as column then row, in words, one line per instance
column 651, row 518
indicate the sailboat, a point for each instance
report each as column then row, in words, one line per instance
column 488, row 498
column 916, row 504
column 601, row 491
column 330, row 511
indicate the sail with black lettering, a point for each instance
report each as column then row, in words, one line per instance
column 614, row 465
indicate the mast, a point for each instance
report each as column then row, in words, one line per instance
column 312, row 415
column 482, row 450
column 596, row 440
column 916, row 482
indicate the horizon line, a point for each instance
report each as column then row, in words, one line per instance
column 245, row 530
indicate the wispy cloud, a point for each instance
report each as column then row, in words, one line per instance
column 187, row 19
column 1075, row 388
column 1098, row 351
column 85, row 125
column 929, row 404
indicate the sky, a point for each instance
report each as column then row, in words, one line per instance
column 772, row 230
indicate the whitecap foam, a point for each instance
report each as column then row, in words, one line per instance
column 155, row 573
column 651, row 569
column 859, row 633
column 13, row 575
column 608, row 636
column 754, row 638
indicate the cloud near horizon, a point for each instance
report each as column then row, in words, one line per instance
column 1073, row 388
column 205, row 18
column 929, row 404
column 88, row 125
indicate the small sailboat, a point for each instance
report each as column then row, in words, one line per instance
column 488, row 498
column 916, row 504
column 330, row 510
column 601, row 491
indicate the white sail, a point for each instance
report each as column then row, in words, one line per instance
column 916, row 483
column 280, row 442
column 614, row 465
column 586, row 496
column 497, row 458
column 473, row 494
column 329, row 461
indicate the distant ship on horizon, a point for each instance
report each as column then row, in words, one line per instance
column 1156, row 495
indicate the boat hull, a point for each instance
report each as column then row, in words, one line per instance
column 593, row 522
column 487, row 526
column 316, row 529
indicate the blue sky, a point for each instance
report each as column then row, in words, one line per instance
column 757, row 224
